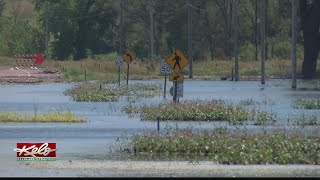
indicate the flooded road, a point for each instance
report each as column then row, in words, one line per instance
column 105, row 121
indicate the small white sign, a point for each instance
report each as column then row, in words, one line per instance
column 165, row 68
column 119, row 60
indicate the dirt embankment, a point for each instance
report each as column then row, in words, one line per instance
column 10, row 74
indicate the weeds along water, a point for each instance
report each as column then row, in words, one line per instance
column 54, row 116
column 96, row 92
column 223, row 146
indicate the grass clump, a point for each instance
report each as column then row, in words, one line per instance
column 304, row 120
column 96, row 92
column 224, row 147
column 199, row 110
column 54, row 116
column 247, row 102
column 301, row 103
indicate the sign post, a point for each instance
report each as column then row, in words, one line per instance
column 119, row 62
column 177, row 61
column 128, row 57
column 165, row 69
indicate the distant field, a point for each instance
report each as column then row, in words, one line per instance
column 105, row 69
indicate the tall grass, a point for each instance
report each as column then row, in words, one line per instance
column 54, row 116
column 221, row 146
column 306, row 104
column 96, row 92
column 106, row 70
column 200, row 110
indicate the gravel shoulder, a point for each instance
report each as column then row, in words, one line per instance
column 9, row 74
column 89, row 168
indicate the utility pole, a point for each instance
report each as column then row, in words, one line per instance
column 151, row 31
column 190, row 38
column 121, row 28
column 235, row 35
column 263, row 44
column 47, row 32
column 256, row 30
column 121, row 38
column 294, row 44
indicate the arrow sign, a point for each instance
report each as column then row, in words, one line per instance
column 38, row 59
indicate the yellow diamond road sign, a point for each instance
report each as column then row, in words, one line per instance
column 128, row 57
column 176, row 77
column 177, row 61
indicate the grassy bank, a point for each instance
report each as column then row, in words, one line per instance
column 106, row 70
column 301, row 103
column 54, row 116
column 200, row 110
column 224, row 147
column 97, row 92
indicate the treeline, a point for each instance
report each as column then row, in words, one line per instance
column 81, row 29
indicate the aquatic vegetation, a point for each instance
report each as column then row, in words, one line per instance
column 221, row 146
column 247, row 102
column 199, row 110
column 54, row 116
column 304, row 120
column 96, row 92
column 301, row 103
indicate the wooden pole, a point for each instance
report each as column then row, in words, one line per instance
column 235, row 23
column 151, row 31
column 263, row 44
column 190, row 58
column 294, row 44
column 165, row 85
column 85, row 75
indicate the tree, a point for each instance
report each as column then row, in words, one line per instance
column 310, row 13
column 79, row 26
column 2, row 5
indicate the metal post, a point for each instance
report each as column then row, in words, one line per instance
column 232, row 74
column 263, row 45
column 190, row 39
column 151, row 31
column 165, row 85
column 119, row 75
column 128, row 73
column 47, row 31
column 158, row 123
column 235, row 23
column 175, row 92
column 294, row 43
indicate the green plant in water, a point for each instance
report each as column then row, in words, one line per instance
column 199, row 110
column 304, row 120
column 247, row 102
column 229, row 148
column 96, row 92
column 301, row 103
column 54, row 116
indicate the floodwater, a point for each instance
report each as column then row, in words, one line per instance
column 106, row 122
